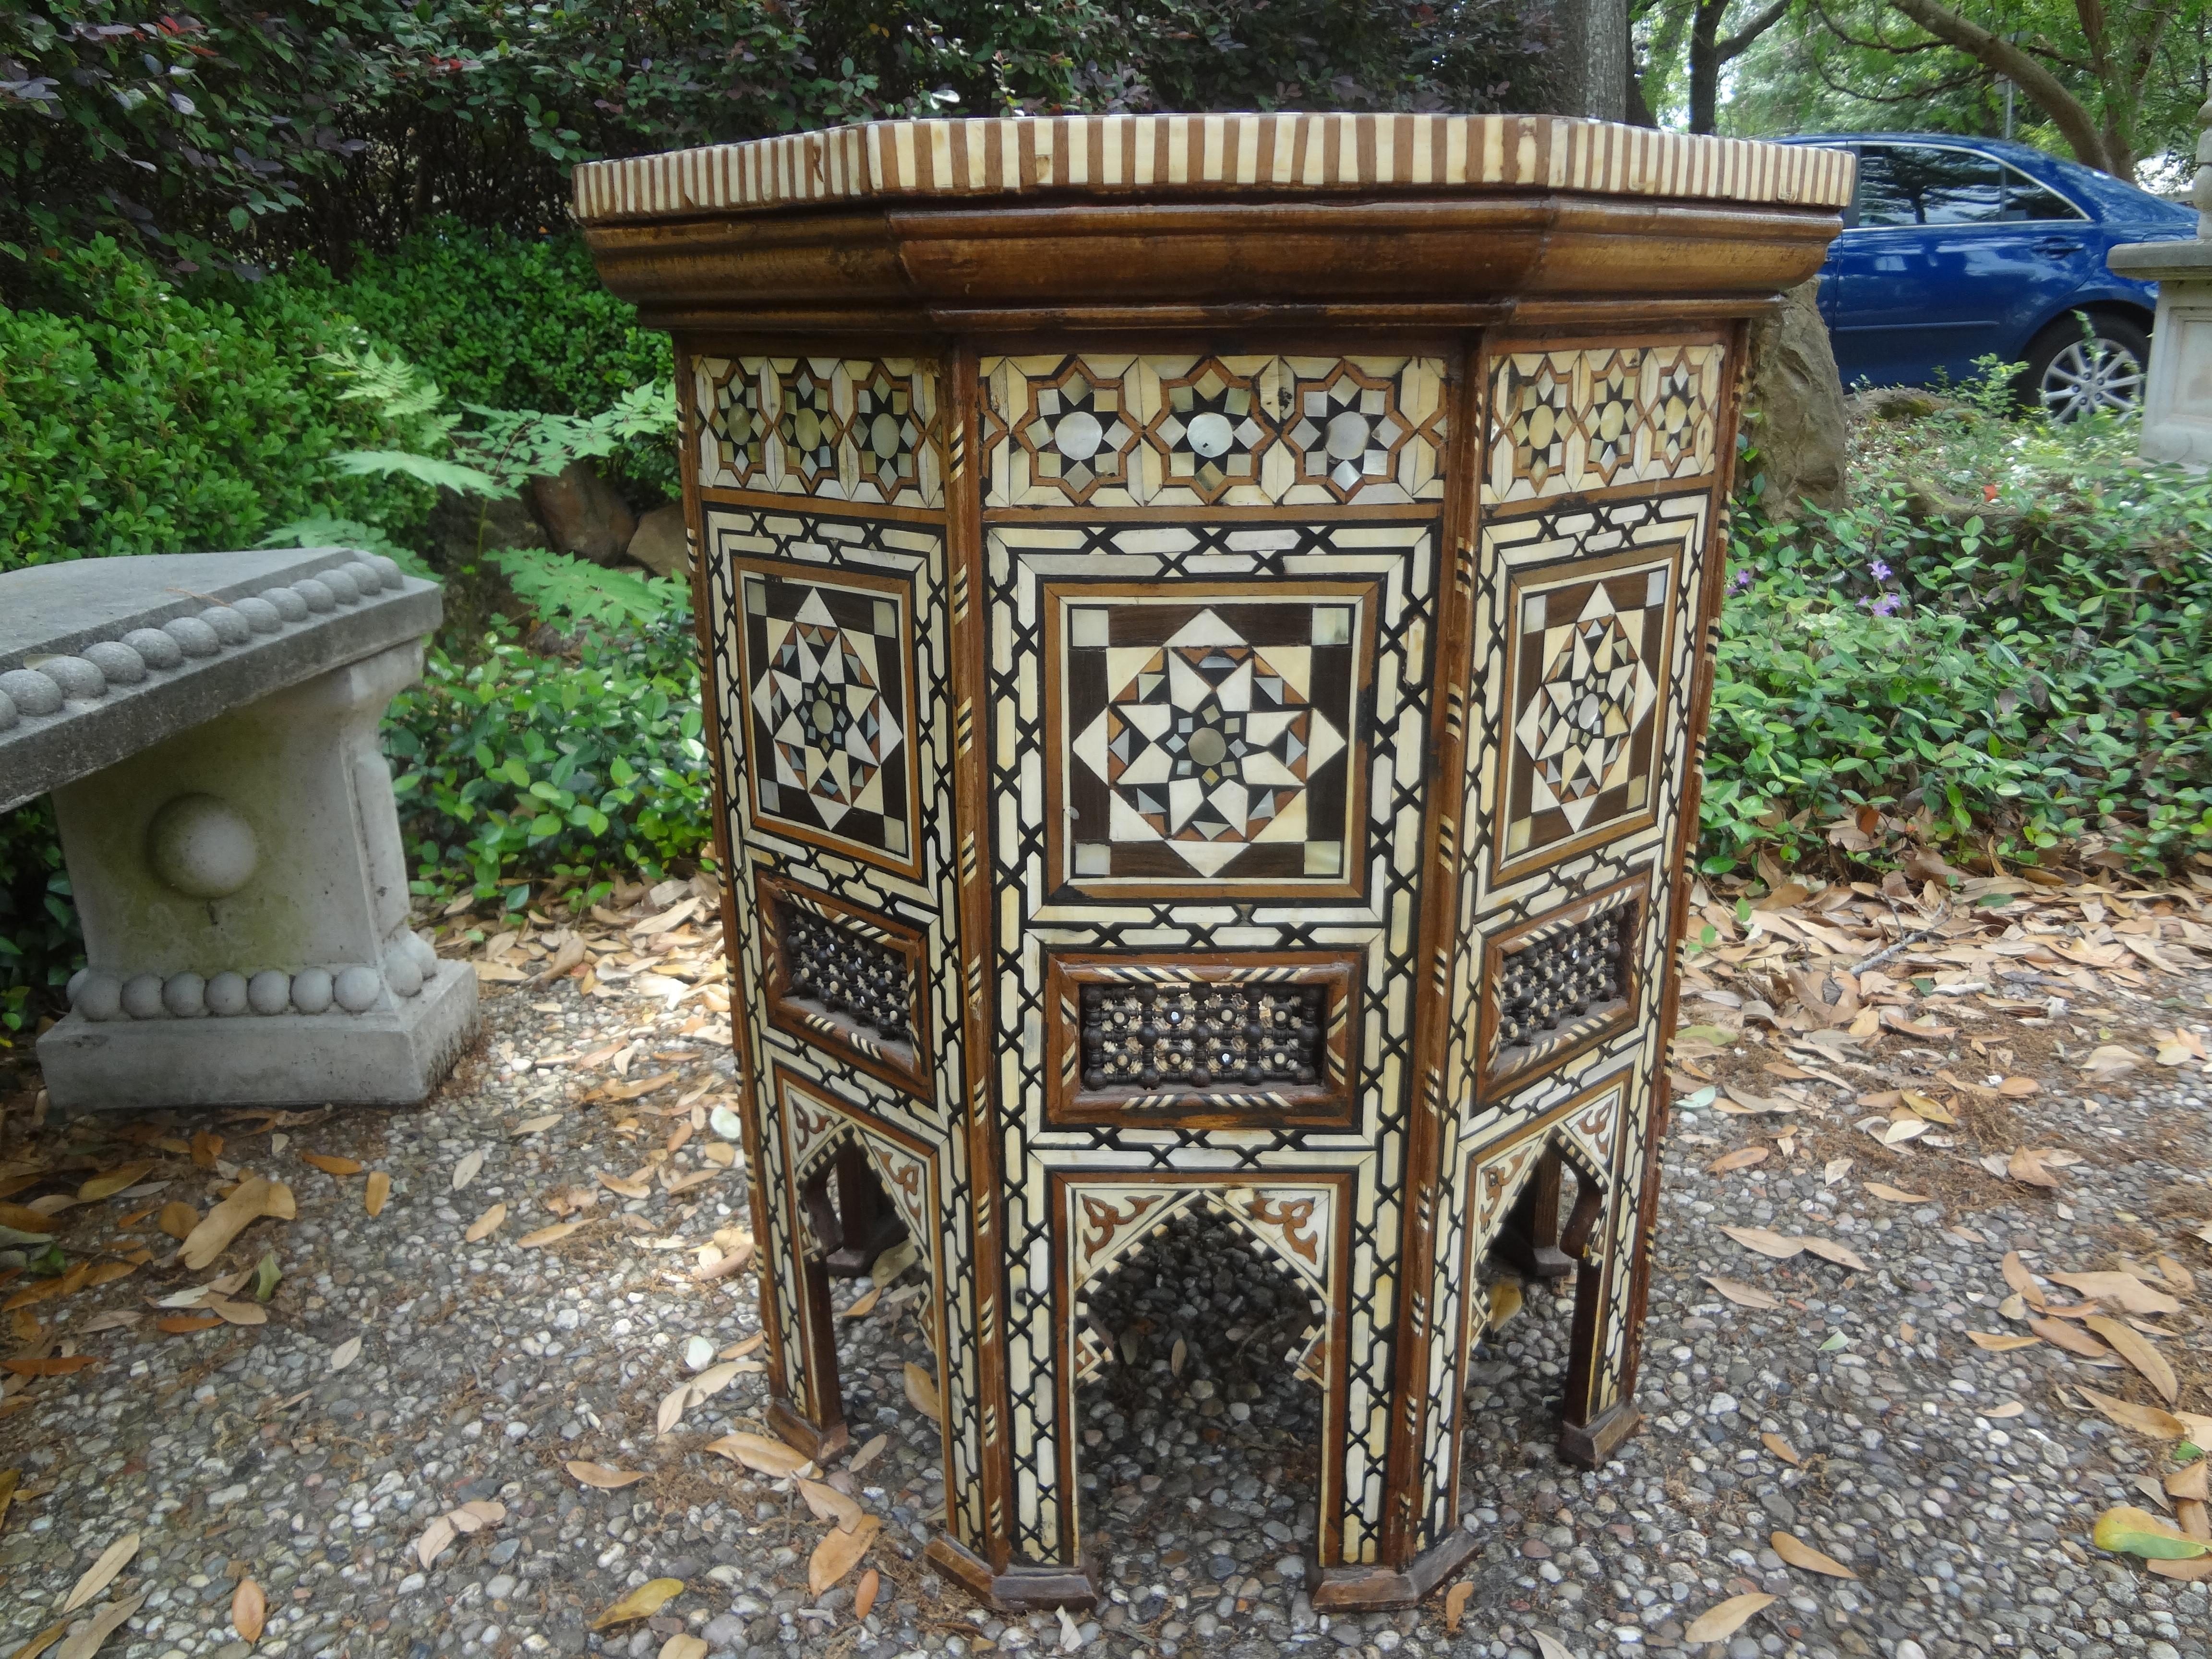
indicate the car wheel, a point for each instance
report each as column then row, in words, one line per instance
column 2086, row 364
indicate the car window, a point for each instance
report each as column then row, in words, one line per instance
column 1920, row 185
column 2026, row 199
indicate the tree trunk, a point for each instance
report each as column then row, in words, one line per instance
column 1705, row 65
column 1593, row 57
column 2024, row 72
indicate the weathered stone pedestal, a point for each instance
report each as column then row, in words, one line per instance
column 2177, row 412
column 1205, row 621
column 207, row 725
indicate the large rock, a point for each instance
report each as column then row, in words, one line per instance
column 660, row 545
column 1794, row 406
column 582, row 515
column 463, row 527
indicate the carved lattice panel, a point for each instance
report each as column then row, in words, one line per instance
column 851, row 429
column 1225, row 1042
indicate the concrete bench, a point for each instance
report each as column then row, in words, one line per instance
column 206, row 723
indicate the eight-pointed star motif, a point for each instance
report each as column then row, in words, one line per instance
column 1593, row 691
column 827, row 717
column 1208, row 743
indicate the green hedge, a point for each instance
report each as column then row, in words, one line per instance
column 137, row 418
column 497, row 321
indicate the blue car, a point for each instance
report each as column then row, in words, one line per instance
column 1957, row 248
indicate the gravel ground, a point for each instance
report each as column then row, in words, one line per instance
column 484, row 1367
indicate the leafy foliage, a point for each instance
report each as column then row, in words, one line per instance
column 524, row 769
column 243, row 135
column 135, row 419
column 2004, row 638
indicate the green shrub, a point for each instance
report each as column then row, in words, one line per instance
column 501, row 321
column 523, row 769
column 134, row 419
column 2004, row 638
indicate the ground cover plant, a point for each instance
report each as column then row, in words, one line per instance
column 1997, row 650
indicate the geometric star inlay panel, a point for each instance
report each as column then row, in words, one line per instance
column 1210, row 734
column 1588, row 649
column 828, row 673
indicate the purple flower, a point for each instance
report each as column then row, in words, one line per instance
column 1740, row 581
column 1879, row 571
column 1887, row 605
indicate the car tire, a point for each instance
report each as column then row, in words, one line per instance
column 2086, row 362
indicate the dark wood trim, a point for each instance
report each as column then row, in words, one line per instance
column 975, row 1116
column 1362, row 1590
column 819, row 506
column 1331, row 1103
column 1591, row 1445
column 1450, row 670
column 911, row 1067
column 1670, row 989
column 733, row 874
column 904, row 269
column 1018, row 1589
column 1411, row 513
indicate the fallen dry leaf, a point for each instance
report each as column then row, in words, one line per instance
column 642, row 1602
column 921, row 1391
column 2011, row 1409
column 2177, row 1275
column 1799, row 1554
column 378, row 1190
column 866, row 1302
column 2016, row 1275
column 2027, row 1165
column 184, row 1324
column 627, row 1186
column 329, row 1165
column 2132, row 1346
column 1896, row 1194
column 600, row 1475
column 249, row 1610
column 1782, row 1448
column 867, row 1454
column 1549, row 1646
column 61, row 1364
column 2132, row 1531
column 1743, row 1158
column 2124, row 1290
column 2060, row 1335
column 838, row 1554
column 1455, row 1605
column 830, row 1504
column 465, row 1170
column 1743, row 1294
column 1842, row 1254
column 477, row 1516
column 2001, row 1341
column 345, row 1354
column 760, row 1454
column 102, row 1573
column 178, row 1219
column 2143, row 1419
column 103, row 1625
column 552, row 1234
column 247, row 1203
column 864, row 1597
column 106, row 1186
column 436, row 1539
column 485, row 1224
column 44, row 1639
column 1765, row 1242
column 684, row 1647
column 1717, row 1623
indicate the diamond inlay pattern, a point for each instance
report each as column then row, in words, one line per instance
column 1564, row 421
column 842, row 428
column 1119, row 431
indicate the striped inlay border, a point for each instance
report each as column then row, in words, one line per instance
column 1209, row 155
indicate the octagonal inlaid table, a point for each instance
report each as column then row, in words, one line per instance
column 1207, row 621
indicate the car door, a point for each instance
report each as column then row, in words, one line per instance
column 1937, row 269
